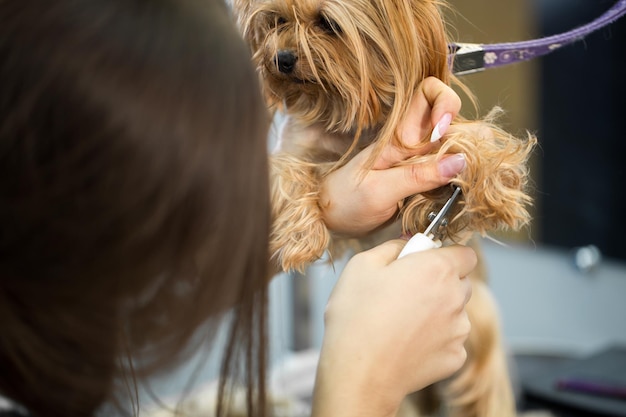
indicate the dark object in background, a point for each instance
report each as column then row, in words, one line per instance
column 606, row 367
column 582, row 132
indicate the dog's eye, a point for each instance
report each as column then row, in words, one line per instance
column 276, row 21
column 328, row 25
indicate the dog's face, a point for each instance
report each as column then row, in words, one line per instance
column 348, row 64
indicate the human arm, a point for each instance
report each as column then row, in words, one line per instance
column 390, row 330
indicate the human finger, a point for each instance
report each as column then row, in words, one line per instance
column 386, row 252
column 462, row 258
column 432, row 108
column 442, row 99
column 432, row 102
column 407, row 180
column 467, row 288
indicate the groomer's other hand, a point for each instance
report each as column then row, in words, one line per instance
column 354, row 205
column 392, row 327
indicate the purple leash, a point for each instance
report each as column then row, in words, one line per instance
column 473, row 57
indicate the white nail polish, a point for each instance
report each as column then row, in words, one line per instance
column 441, row 127
column 435, row 136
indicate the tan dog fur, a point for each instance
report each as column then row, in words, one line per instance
column 357, row 64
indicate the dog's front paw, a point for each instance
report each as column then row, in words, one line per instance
column 299, row 235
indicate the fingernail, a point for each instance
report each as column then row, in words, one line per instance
column 441, row 128
column 452, row 165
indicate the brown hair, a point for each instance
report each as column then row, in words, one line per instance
column 134, row 199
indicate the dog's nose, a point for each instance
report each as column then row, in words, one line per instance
column 286, row 61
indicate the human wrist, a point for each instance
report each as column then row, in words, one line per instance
column 348, row 386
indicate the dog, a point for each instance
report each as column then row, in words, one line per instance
column 344, row 72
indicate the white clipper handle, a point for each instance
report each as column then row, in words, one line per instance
column 419, row 242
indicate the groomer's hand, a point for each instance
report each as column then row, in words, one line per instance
column 392, row 327
column 354, row 205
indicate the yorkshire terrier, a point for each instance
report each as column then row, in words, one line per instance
column 344, row 72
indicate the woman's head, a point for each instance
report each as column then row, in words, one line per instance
column 133, row 190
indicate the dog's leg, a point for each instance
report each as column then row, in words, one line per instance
column 483, row 387
column 299, row 235
column 304, row 155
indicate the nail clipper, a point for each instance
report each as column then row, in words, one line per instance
column 431, row 238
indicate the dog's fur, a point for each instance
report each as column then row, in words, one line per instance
column 344, row 72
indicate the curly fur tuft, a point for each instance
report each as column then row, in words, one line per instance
column 494, row 183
